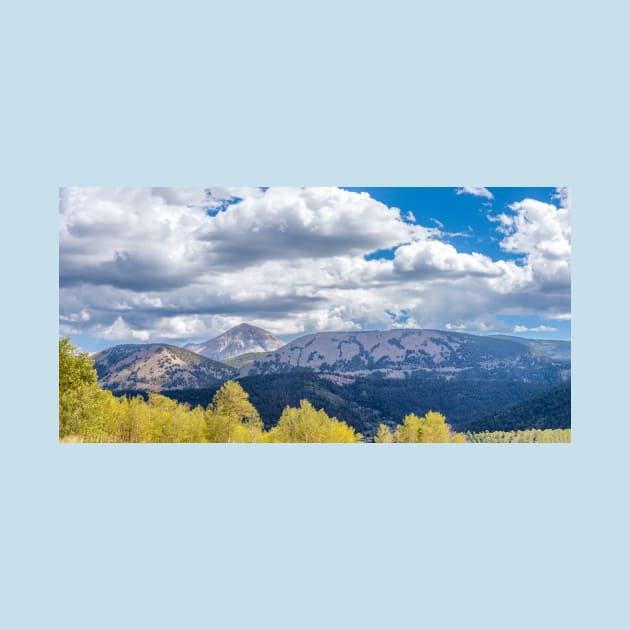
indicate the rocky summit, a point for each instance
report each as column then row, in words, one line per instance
column 238, row 340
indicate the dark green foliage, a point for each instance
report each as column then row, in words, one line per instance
column 549, row 410
column 270, row 394
column 368, row 401
column 458, row 400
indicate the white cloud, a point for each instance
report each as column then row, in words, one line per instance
column 563, row 195
column 151, row 264
column 304, row 223
column 477, row 191
column 160, row 239
column 541, row 232
column 429, row 257
column 121, row 331
column 541, row 328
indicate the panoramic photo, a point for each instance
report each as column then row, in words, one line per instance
column 315, row 314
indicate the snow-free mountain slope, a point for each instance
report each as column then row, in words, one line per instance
column 398, row 353
column 156, row 366
column 241, row 339
column 552, row 348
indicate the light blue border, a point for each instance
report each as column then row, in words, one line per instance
column 483, row 536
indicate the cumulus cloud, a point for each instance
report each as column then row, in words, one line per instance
column 476, row 191
column 161, row 263
column 158, row 239
column 304, row 223
column 563, row 195
column 542, row 233
column 435, row 258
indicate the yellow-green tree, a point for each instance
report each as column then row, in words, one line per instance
column 383, row 435
column 410, row 430
column 231, row 417
column 166, row 420
column 430, row 428
column 306, row 424
column 80, row 401
column 76, row 369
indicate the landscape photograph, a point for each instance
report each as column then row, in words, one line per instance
column 315, row 315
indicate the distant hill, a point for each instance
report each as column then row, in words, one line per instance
column 156, row 366
column 400, row 353
column 243, row 359
column 241, row 339
column 552, row 348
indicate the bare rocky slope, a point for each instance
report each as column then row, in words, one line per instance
column 156, row 366
column 403, row 352
column 241, row 339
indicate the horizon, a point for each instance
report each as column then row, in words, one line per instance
column 290, row 339
column 184, row 265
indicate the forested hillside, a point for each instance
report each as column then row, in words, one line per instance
column 548, row 410
column 367, row 401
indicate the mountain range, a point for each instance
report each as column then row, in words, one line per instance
column 402, row 352
column 365, row 378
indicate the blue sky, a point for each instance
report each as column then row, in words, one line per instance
column 459, row 214
column 466, row 218
column 185, row 264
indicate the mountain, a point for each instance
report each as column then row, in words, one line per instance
column 157, row 366
column 241, row 339
column 552, row 348
column 402, row 352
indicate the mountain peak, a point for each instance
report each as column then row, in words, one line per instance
column 245, row 327
column 237, row 340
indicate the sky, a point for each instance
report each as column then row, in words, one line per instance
column 176, row 265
